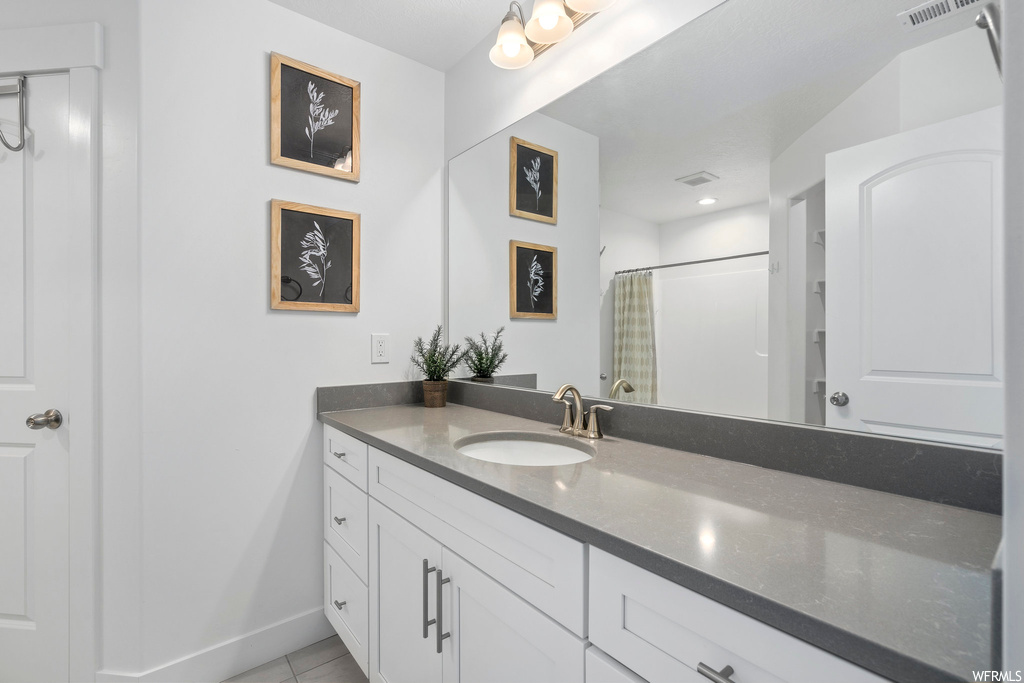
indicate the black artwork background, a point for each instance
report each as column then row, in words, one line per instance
column 338, row 231
column 545, row 300
column 330, row 143
column 526, row 196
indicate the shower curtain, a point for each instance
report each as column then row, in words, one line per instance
column 634, row 357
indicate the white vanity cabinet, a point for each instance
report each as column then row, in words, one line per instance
column 438, row 618
column 428, row 582
column 665, row 632
column 346, row 597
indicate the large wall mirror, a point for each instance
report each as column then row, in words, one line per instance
column 848, row 273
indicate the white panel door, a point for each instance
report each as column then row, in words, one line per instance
column 914, row 318
column 34, row 226
column 402, row 600
column 497, row 637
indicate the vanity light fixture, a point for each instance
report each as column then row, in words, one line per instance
column 707, row 201
column 549, row 23
column 520, row 41
column 511, row 51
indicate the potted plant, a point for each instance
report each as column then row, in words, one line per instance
column 483, row 358
column 436, row 361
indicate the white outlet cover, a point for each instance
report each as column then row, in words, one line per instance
column 380, row 348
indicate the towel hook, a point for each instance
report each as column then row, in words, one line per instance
column 19, row 90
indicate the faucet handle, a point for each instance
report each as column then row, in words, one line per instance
column 593, row 428
column 567, row 419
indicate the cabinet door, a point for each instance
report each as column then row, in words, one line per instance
column 603, row 669
column 402, row 600
column 497, row 637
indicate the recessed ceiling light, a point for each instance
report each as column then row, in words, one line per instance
column 707, row 201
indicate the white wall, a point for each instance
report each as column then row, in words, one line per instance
column 741, row 230
column 559, row 351
column 481, row 99
column 948, row 77
column 628, row 242
column 232, row 473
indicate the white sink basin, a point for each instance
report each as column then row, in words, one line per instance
column 530, row 449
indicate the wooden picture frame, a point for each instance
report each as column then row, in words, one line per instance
column 532, row 181
column 314, row 119
column 532, row 281
column 307, row 243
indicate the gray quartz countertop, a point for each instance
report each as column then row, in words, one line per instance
column 897, row 585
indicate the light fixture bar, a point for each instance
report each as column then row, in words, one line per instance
column 577, row 19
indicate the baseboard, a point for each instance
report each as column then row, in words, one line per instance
column 234, row 656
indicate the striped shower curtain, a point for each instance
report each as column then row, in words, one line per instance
column 634, row 356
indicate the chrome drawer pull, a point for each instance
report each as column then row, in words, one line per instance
column 716, row 676
column 426, row 624
column 341, row 604
column 339, row 520
column 441, row 581
column 339, row 455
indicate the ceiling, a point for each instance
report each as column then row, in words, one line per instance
column 727, row 93
column 437, row 33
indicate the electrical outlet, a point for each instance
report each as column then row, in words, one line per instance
column 380, row 351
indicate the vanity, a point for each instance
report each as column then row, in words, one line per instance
column 640, row 563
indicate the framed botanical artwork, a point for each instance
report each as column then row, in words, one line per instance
column 532, row 280
column 532, row 181
column 314, row 258
column 314, row 119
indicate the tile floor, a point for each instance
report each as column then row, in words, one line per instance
column 325, row 662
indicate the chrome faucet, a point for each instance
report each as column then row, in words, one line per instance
column 575, row 416
column 572, row 421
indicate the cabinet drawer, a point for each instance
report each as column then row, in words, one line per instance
column 603, row 669
column 346, row 455
column 350, row 619
column 540, row 565
column 345, row 526
column 663, row 632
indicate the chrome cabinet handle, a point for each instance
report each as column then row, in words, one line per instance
column 341, row 604
column 339, row 520
column 426, row 624
column 716, row 676
column 51, row 418
column 338, row 455
column 839, row 399
column 441, row 581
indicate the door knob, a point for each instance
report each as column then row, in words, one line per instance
column 51, row 418
column 839, row 399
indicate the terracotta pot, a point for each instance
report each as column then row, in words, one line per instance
column 484, row 380
column 435, row 393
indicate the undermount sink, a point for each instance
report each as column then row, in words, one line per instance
column 530, row 449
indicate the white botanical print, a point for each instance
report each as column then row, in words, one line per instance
column 314, row 259
column 535, row 281
column 533, row 177
column 319, row 116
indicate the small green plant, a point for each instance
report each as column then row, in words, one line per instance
column 483, row 358
column 434, row 359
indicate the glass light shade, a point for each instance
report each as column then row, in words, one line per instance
column 589, row 6
column 511, row 50
column 549, row 22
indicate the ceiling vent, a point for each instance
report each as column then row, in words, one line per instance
column 698, row 179
column 930, row 12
